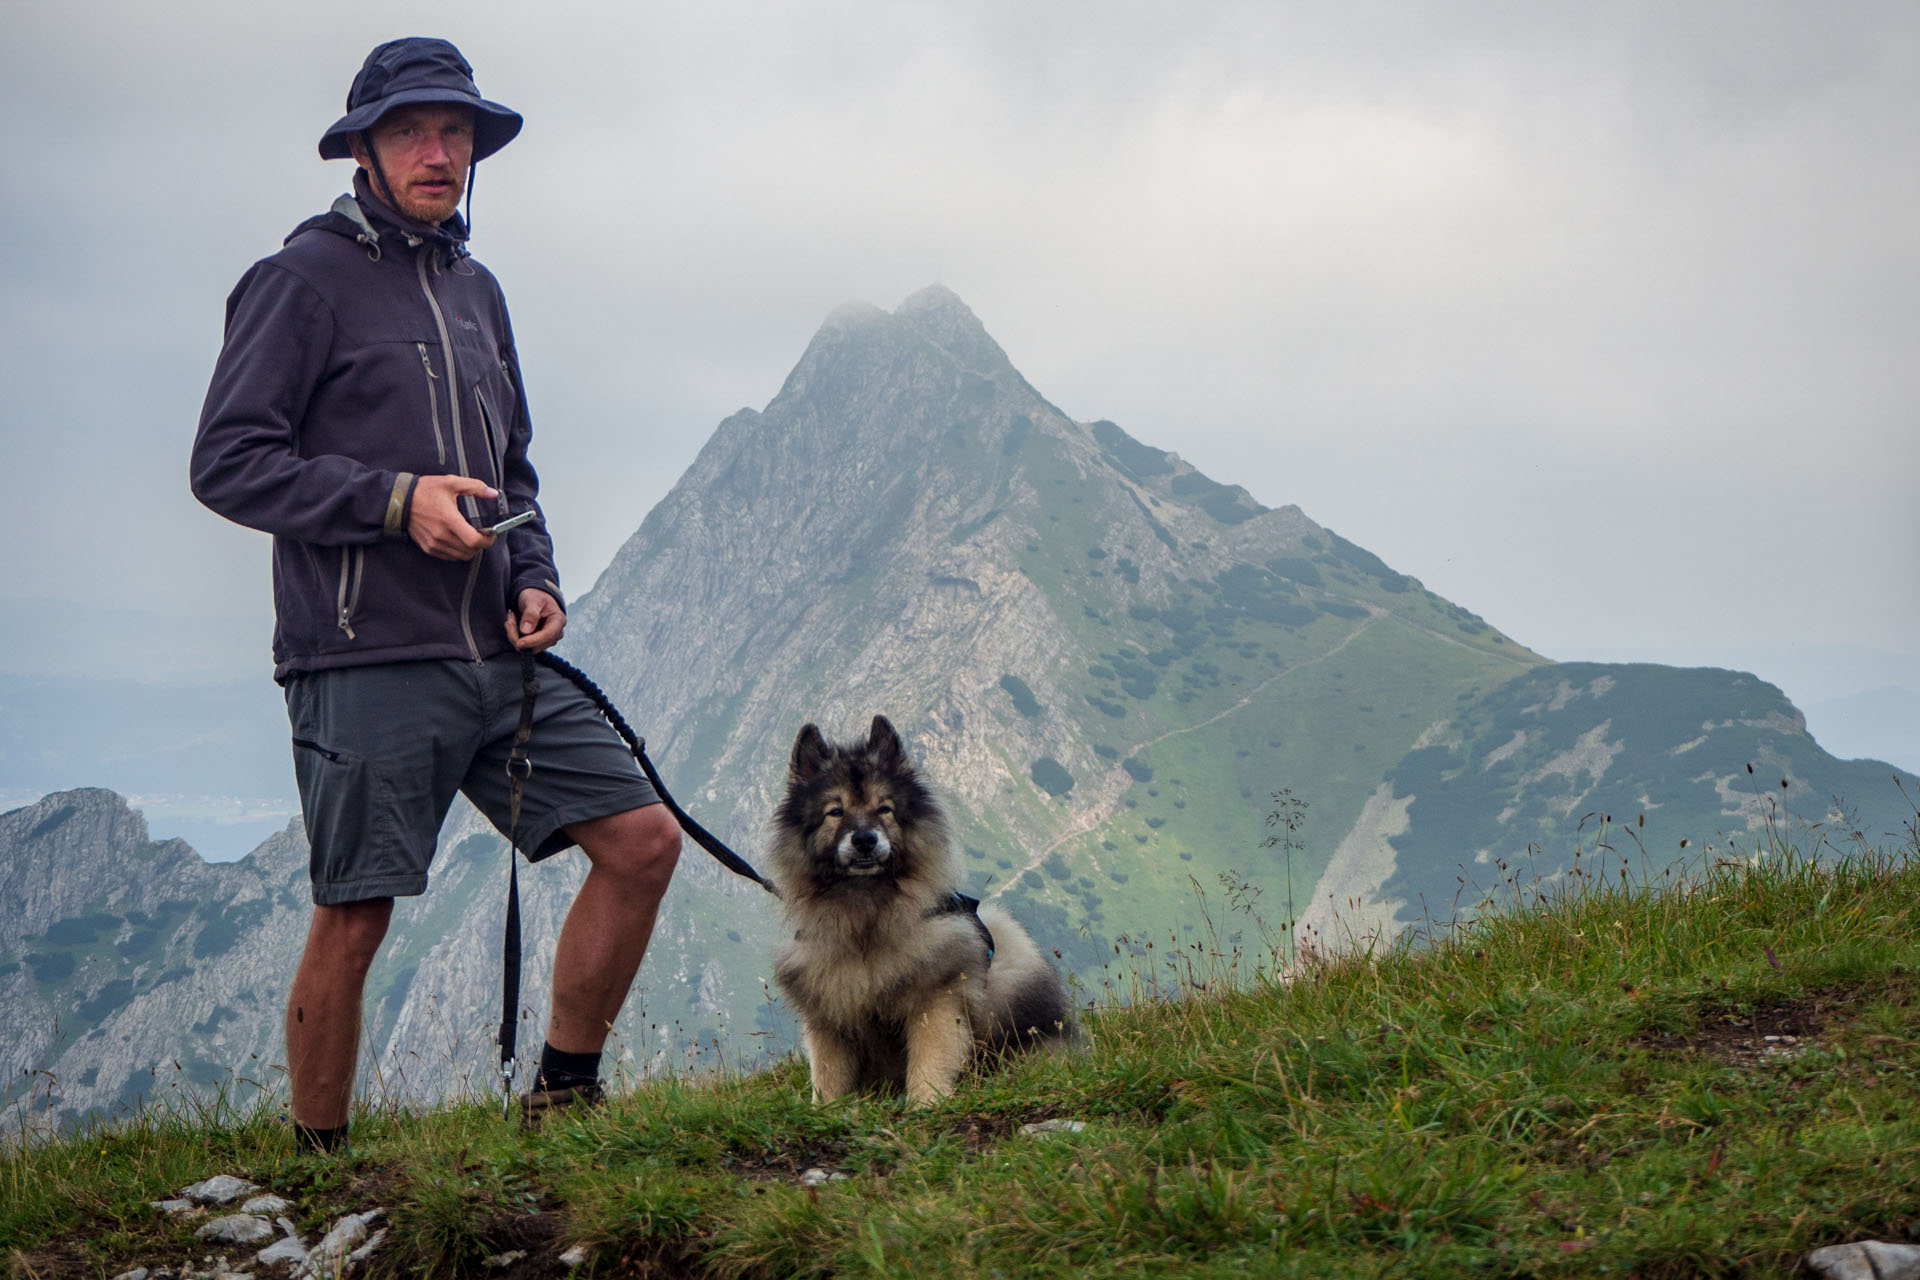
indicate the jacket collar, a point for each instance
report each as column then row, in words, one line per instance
column 380, row 219
column 367, row 219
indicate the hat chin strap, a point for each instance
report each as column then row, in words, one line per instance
column 385, row 190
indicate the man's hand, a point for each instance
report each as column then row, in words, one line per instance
column 438, row 526
column 538, row 624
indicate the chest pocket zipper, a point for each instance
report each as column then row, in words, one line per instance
column 496, row 433
column 433, row 403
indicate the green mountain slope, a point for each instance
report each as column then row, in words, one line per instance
column 1660, row 765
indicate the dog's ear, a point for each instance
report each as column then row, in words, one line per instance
column 884, row 745
column 810, row 755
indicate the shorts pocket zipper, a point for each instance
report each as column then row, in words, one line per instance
column 311, row 745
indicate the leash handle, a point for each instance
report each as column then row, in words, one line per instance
column 519, row 769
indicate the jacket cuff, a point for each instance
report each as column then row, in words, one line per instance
column 400, row 505
column 542, row 582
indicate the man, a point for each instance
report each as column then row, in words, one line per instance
column 367, row 411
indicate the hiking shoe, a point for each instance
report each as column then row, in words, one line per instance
column 536, row 1106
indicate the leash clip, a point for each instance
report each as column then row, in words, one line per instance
column 520, row 768
column 506, row 1085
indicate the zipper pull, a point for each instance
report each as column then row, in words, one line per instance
column 426, row 363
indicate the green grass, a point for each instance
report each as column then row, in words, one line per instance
column 1580, row 1087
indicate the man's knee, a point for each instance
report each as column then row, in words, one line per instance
column 348, row 935
column 640, row 846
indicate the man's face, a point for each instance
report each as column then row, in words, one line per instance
column 425, row 151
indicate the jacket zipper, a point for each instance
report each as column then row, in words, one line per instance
column 459, row 442
column 433, row 403
column 353, row 565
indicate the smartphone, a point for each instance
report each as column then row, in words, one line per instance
column 511, row 522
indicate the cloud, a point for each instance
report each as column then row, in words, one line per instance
column 1596, row 317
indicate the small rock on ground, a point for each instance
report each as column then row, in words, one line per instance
column 1047, row 1128
column 291, row 1250
column 222, row 1188
column 821, row 1177
column 347, row 1242
column 237, row 1228
column 267, row 1205
column 501, row 1261
column 178, row 1208
column 1866, row 1260
column 574, row 1256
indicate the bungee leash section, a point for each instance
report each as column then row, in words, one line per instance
column 638, row 745
column 519, row 769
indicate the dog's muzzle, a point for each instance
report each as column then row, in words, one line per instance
column 863, row 851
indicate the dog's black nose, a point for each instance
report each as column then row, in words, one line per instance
column 865, row 842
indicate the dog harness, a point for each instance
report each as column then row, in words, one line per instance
column 959, row 904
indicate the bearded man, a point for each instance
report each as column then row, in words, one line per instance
column 367, row 410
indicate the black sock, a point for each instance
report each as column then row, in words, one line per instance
column 566, row 1070
column 317, row 1141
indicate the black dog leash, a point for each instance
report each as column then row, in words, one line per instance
column 519, row 769
column 638, row 745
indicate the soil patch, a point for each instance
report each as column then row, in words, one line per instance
column 787, row 1162
column 1747, row 1035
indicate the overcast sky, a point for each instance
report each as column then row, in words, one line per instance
column 1600, row 319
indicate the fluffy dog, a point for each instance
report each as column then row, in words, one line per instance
column 898, row 983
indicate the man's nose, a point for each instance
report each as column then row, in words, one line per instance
column 434, row 151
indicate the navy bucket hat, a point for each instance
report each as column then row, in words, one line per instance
column 418, row 69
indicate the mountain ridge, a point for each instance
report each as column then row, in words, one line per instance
column 1109, row 665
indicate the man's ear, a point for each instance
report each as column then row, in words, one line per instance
column 357, row 144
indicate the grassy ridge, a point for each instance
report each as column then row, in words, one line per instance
column 1584, row 1086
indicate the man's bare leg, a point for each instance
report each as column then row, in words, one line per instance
column 323, row 1012
column 607, row 929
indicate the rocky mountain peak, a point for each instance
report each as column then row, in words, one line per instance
column 937, row 314
column 932, row 344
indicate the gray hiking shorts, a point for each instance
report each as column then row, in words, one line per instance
column 379, row 752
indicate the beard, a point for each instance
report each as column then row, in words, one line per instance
column 429, row 208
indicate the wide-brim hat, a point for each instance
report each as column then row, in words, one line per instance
column 418, row 69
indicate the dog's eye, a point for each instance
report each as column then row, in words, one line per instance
column 835, row 811
column 885, row 808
